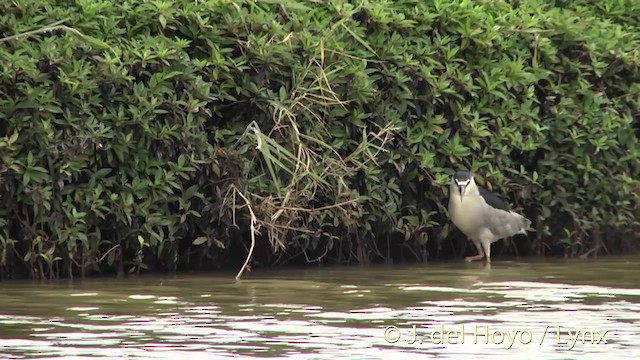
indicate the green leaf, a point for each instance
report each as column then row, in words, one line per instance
column 111, row 258
column 200, row 240
column 13, row 138
column 218, row 243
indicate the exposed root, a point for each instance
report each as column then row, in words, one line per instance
column 254, row 230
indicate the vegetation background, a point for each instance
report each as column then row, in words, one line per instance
column 171, row 135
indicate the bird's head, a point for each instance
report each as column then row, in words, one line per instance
column 462, row 182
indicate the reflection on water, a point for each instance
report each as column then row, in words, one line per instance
column 515, row 310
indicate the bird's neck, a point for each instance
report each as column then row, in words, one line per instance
column 472, row 191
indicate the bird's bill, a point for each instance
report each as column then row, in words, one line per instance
column 462, row 188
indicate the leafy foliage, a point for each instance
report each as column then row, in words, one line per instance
column 166, row 134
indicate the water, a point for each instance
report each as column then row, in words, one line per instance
column 346, row 313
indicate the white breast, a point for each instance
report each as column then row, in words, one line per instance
column 468, row 215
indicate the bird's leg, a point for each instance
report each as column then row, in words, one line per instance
column 486, row 246
column 475, row 257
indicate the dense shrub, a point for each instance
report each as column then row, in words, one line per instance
column 165, row 135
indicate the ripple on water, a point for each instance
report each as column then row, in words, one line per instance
column 84, row 294
column 286, row 320
column 83, row 308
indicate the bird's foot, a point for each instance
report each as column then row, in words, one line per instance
column 474, row 258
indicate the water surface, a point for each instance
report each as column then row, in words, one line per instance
column 517, row 309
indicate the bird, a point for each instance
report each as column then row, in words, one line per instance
column 481, row 215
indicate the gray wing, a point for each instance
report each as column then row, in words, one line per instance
column 499, row 219
column 493, row 200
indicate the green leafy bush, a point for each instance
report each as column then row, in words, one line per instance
column 168, row 135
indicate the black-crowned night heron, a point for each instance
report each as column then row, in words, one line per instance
column 481, row 215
